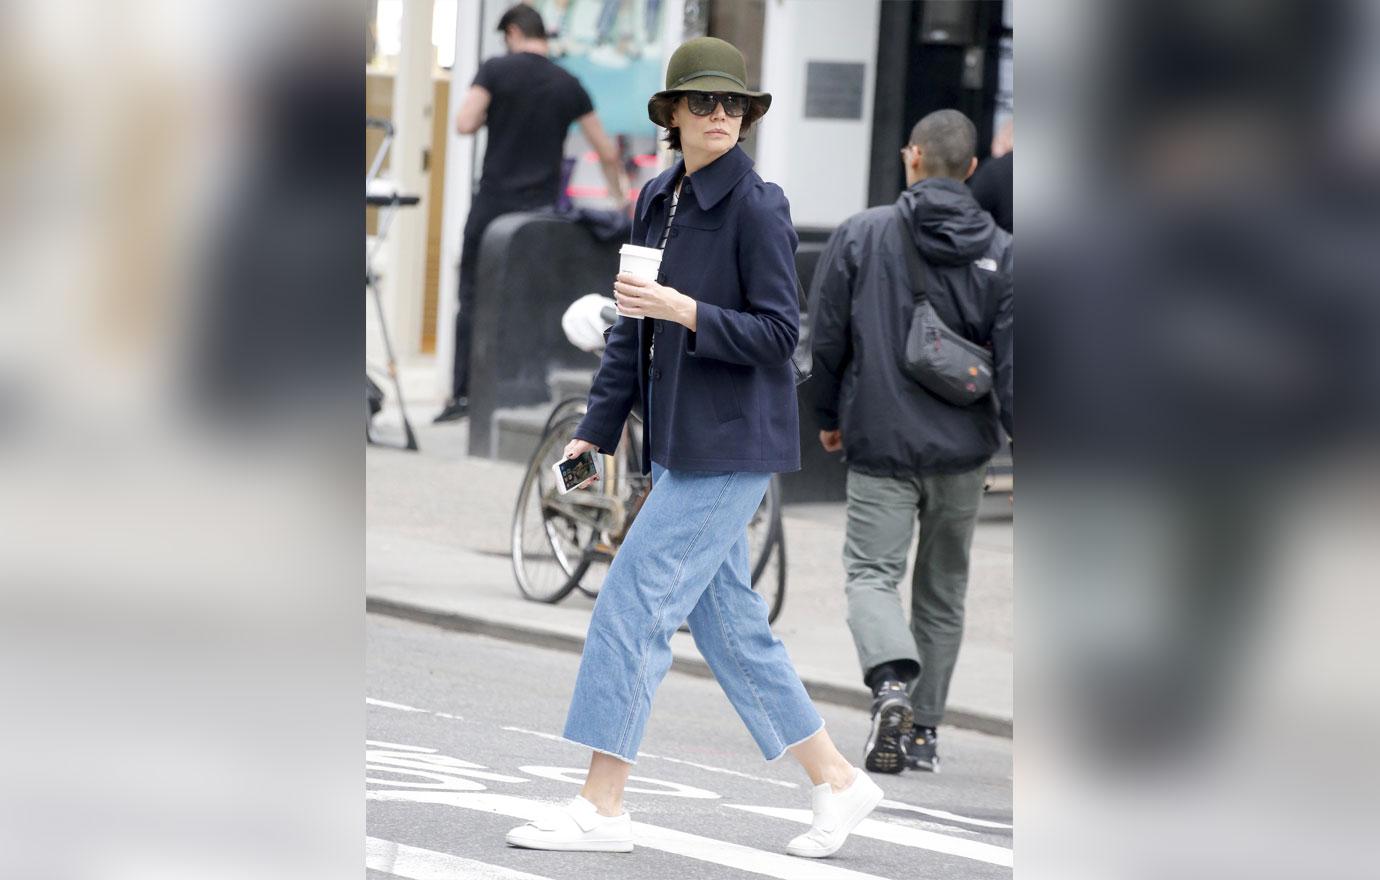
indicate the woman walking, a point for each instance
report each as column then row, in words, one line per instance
column 707, row 347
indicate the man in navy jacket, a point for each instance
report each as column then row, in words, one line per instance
column 910, row 453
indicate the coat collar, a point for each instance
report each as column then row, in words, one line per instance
column 710, row 184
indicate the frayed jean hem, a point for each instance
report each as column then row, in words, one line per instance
column 781, row 754
column 576, row 742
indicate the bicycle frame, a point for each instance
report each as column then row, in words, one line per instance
column 611, row 517
column 605, row 514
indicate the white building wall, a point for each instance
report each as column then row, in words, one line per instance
column 822, row 164
column 459, row 189
column 405, row 247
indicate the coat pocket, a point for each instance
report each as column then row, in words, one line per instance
column 724, row 394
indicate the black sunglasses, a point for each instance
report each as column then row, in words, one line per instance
column 702, row 103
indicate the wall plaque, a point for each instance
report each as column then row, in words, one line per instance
column 833, row 90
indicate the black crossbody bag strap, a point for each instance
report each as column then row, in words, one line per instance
column 914, row 267
column 936, row 356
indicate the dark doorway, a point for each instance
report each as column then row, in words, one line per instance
column 932, row 54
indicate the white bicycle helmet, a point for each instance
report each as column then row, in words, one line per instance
column 582, row 323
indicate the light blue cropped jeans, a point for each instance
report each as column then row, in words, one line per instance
column 686, row 558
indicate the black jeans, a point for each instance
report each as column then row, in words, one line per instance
column 488, row 206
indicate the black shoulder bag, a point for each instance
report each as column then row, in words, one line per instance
column 941, row 361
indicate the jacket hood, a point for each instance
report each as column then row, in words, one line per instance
column 946, row 222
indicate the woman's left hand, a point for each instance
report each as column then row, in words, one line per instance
column 640, row 298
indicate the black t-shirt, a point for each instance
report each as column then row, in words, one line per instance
column 991, row 186
column 532, row 103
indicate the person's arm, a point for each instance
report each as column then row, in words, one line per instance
column 831, row 332
column 609, row 159
column 615, row 387
column 766, row 332
column 473, row 110
column 614, row 390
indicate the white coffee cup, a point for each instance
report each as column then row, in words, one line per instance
column 640, row 262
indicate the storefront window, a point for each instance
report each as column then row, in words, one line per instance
column 388, row 33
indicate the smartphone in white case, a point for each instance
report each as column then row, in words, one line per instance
column 575, row 473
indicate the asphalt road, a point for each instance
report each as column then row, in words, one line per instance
column 461, row 747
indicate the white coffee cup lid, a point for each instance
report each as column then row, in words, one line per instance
column 633, row 250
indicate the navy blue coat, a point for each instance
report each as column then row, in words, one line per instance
column 723, row 397
column 861, row 306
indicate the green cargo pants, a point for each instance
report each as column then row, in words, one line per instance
column 882, row 512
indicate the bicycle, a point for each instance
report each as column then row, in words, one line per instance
column 561, row 543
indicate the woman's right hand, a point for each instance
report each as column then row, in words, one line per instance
column 576, row 448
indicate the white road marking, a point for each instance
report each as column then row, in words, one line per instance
column 884, row 831
column 577, row 776
column 416, row 863
column 711, row 769
column 917, row 834
column 384, row 704
column 944, row 814
column 399, row 746
column 704, row 849
column 550, row 736
column 441, row 771
column 781, row 782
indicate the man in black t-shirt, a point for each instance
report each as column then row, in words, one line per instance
column 528, row 103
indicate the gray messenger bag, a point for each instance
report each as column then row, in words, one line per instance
column 941, row 361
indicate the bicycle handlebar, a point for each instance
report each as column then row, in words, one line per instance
column 380, row 201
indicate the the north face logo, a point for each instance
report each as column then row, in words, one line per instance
column 986, row 263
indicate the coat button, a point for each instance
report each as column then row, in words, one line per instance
column 675, row 232
column 656, row 374
column 660, row 328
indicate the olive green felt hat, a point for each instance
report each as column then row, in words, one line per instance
column 705, row 64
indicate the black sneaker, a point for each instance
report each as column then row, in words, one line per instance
column 891, row 721
column 921, row 753
column 456, row 409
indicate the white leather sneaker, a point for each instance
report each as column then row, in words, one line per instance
column 575, row 827
column 836, row 815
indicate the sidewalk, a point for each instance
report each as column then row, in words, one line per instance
column 437, row 550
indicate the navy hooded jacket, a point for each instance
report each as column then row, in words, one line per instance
column 723, row 397
column 861, row 304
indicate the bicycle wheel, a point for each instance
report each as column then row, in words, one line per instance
column 771, row 584
column 764, row 528
column 766, row 539
column 769, row 568
column 563, row 410
column 546, row 538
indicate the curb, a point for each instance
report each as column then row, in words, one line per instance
column 850, row 697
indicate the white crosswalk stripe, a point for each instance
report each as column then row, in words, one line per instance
column 945, row 814
column 428, row 776
column 385, row 704
column 416, row 863
column 712, row 769
column 694, row 846
column 890, row 833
